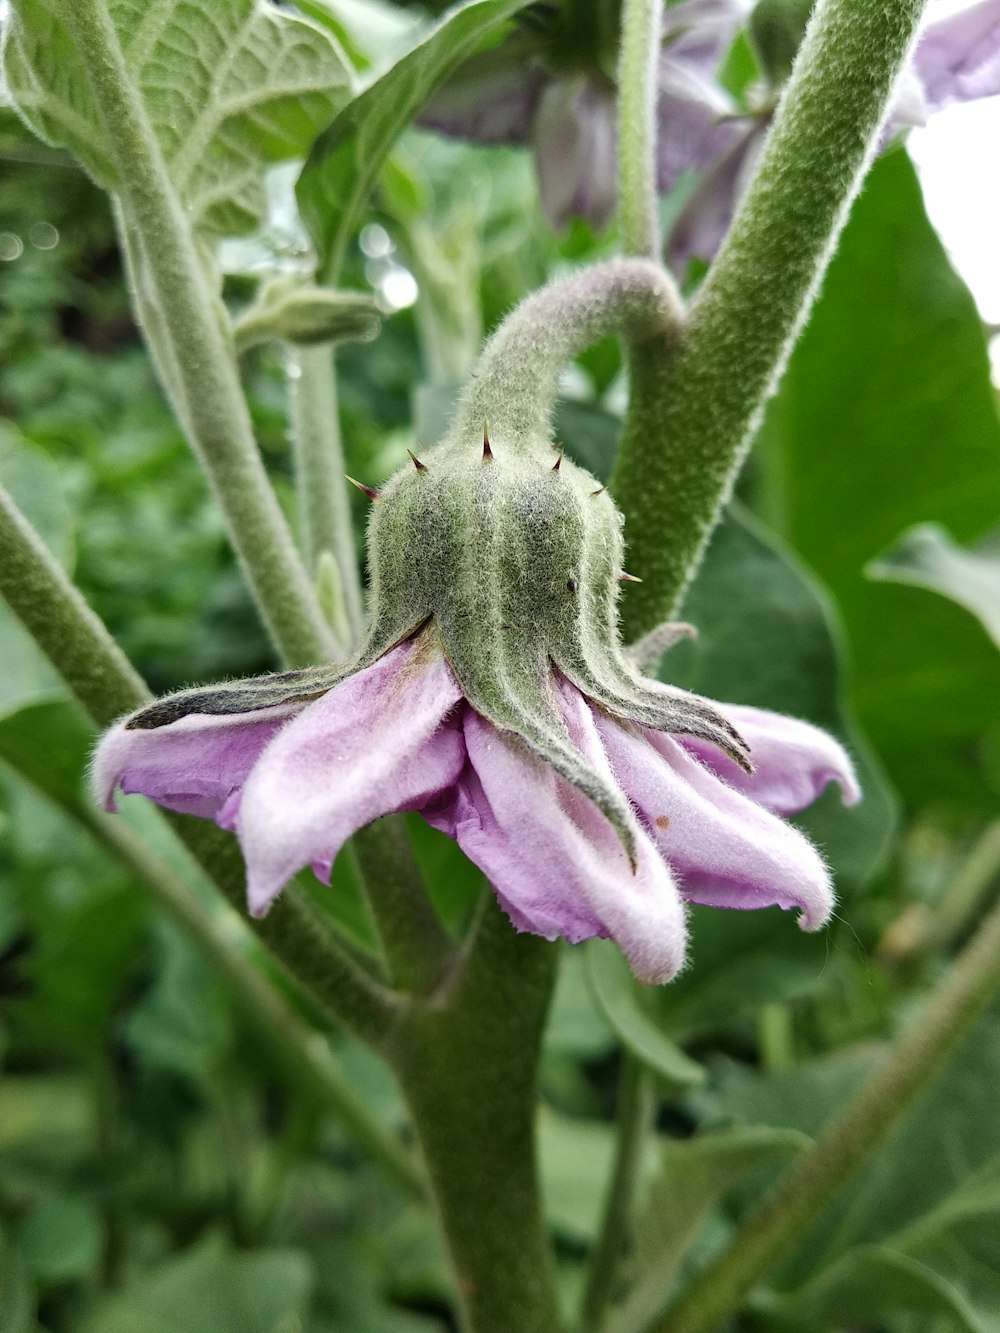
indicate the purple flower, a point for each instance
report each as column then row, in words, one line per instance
column 297, row 762
column 958, row 57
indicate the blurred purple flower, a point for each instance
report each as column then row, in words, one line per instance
column 295, row 763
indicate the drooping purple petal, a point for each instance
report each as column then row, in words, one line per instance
column 555, row 863
column 958, row 57
column 375, row 744
column 793, row 760
column 576, row 151
column 490, row 99
column 691, row 129
column 192, row 765
column 703, row 222
column 725, row 850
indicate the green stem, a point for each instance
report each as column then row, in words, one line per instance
column 466, row 1061
column 702, row 396
column 304, row 1055
column 324, row 510
column 766, row 1234
column 80, row 648
column 418, row 950
column 200, row 368
column 518, row 373
column 54, row 613
column 638, row 63
column 636, row 1105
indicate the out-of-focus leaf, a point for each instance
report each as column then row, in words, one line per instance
column 927, row 557
column 17, row 1298
column 576, row 1158
column 47, row 742
column 617, row 995
column 370, row 31
column 694, row 1175
column 886, row 418
column 60, row 1239
column 229, row 88
column 871, row 1285
column 43, row 1119
column 211, row 1289
column 575, row 1026
column 347, row 157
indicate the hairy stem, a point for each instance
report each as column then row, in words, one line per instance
column 517, row 376
column 466, row 1061
column 199, row 369
column 696, row 401
column 636, row 1104
column 324, row 511
column 638, row 63
column 765, row 1235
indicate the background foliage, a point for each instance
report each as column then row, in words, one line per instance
column 159, row 1167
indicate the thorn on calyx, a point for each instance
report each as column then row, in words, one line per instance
column 487, row 451
column 555, row 465
column 629, row 578
column 368, row 490
column 598, row 492
column 421, row 467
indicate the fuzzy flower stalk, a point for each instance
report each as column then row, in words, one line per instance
column 493, row 696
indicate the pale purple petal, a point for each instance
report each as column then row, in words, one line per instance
column 700, row 32
column 375, row 744
column 192, row 765
column 958, row 57
column 725, row 850
column 576, row 151
column 555, row 862
column 692, row 131
column 702, row 225
column 489, row 100
column 793, row 760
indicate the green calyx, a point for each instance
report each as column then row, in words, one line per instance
column 514, row 554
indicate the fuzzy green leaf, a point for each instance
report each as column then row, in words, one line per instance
column 347, row 158
column 228, row 87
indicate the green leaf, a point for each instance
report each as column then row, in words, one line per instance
column 48, row 742
column 60, row 1239
column 17, row 1298
column 347, row 157
column 694, row 1176
column 228, row 88
column 886, row 418
column 619, row 999
column 927, row 557
column 211, row 1288
column 871, row 1285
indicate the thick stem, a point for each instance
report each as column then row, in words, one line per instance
column 636, row 1104
column 324, row 511
column 467, row 1062
column 696, row 402
column 418, row 950
column 200, row 367
column 638, row 63
column 765, row 1235
column 517, row 376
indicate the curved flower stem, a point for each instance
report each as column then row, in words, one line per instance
column 418, row 949
column 80, row 648
column 466, row 1060
column 324, row 511
column 765, row 1235
column 305, row 1057
column 636, row 1105
column 696, row 402
column 517, row 375
column 199, row 366
column 637, row 68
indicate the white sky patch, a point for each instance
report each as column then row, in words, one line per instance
column 956, row 155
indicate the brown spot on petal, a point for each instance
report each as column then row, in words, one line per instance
column 662, row 822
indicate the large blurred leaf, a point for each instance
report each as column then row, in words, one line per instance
column 927, row 557
column 211, row 1289
column 885, row 418
column 228, row 87
column 346, row 159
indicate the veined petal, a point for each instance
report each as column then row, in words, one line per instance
column 725, row 850
column 556, row 863
column 191, row 765
column 373, row 745
column 793, row 760
column 577, row 151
